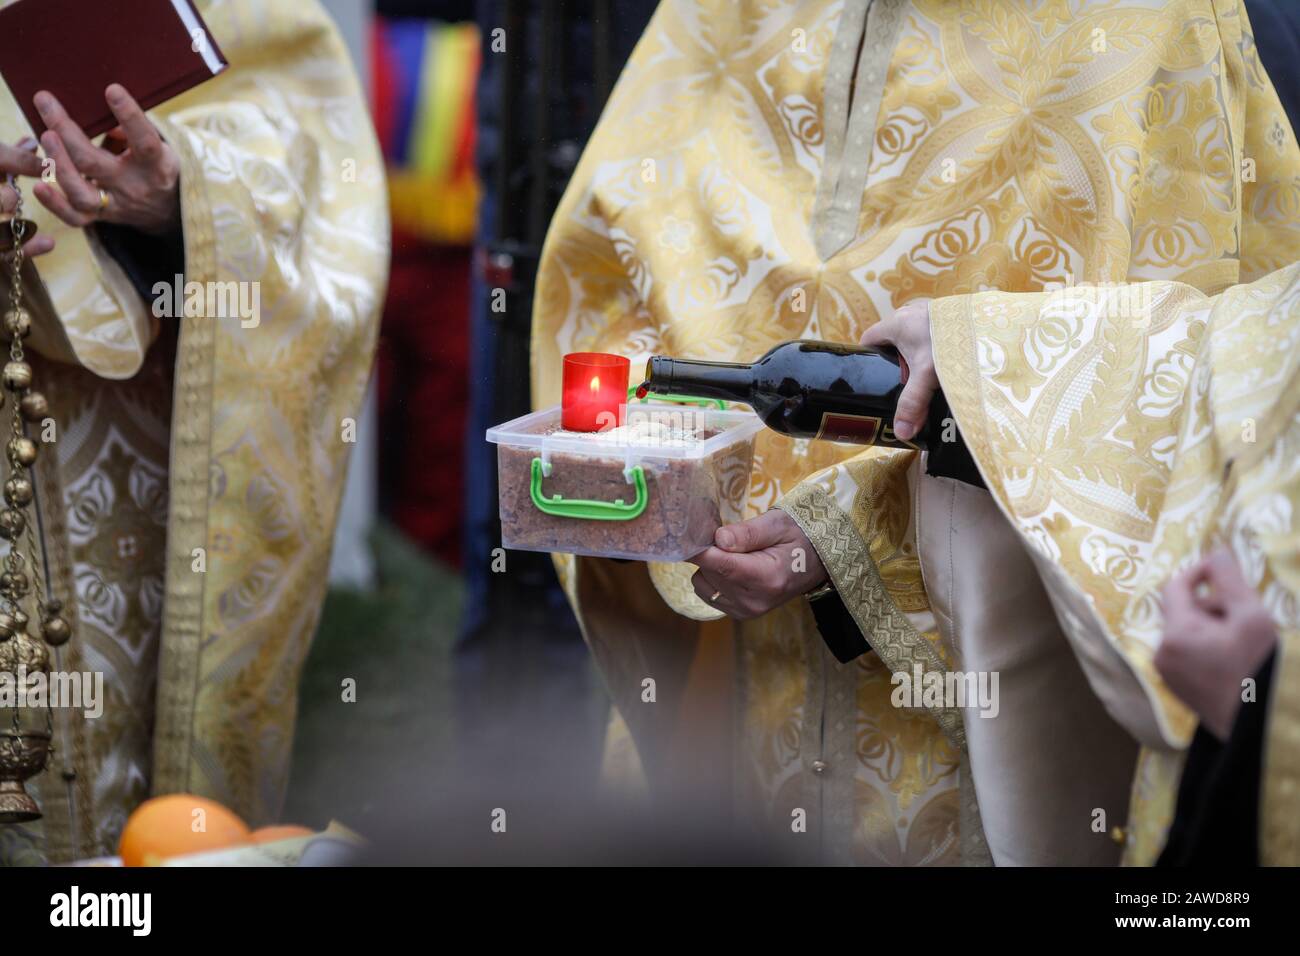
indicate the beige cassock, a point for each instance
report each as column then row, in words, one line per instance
column 774, row 171
column 199, row 460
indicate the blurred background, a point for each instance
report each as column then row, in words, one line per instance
column 462, row 674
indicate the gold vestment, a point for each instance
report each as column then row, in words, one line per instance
column 773, row 171
column 200, row 460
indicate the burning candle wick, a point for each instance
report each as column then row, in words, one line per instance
column 595, row 384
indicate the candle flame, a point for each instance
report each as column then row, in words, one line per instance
column 595, row 384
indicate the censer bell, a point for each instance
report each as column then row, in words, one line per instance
column 23, row 754
column 24, row 750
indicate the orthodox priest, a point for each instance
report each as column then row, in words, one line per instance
column 767, row 172
column 188, row 501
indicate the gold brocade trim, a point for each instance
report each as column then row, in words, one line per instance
column 956, row 362
column 1152, row 801
column 828, row 736
column 187, row 519
column 1279, row 817
column 812, row 721
column 851, row 126
column 855, row 575
column 835, row 109
column 1270, row 432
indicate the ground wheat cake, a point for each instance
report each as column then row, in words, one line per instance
column 696, row 480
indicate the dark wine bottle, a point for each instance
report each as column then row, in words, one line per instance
column 823, row 391
column 805, row 390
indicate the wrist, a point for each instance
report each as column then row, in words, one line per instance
column 1221, row 717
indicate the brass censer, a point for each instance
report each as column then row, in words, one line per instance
column 26, row 739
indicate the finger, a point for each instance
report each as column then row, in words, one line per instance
column 709, row 592
column 57, row 203
column 1225, row 579
column 1201, row 587
column 38, row 246
column 8, row 199
column 735, row 571
column 884, row 332
column 1179, row 598
column 141, row 134
column 913, row 406
column 19, row 161
column 753, row 535
column 115, row 141
column 82, row 196
column 89, row 158
column 709, row 585
column 716, row 562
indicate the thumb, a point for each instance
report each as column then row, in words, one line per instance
column 1228, row 585
column 884, row 332
column 913, row 406
column 753, row 535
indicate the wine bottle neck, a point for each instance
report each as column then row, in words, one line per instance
column 725, row 380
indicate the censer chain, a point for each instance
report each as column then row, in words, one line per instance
column 24, row 751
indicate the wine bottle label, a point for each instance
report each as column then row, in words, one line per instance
column 858, row 429
column 888, row 437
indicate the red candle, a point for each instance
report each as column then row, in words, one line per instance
column 595, row 385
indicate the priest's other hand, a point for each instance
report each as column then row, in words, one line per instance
column 138, row 186
column 757, row 565
column 1217, row 634
column 9, row 203
column 908, row 330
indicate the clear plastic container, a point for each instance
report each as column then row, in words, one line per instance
column 653, row 490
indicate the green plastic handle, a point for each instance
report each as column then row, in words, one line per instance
column 681, row 399
column 583, row 508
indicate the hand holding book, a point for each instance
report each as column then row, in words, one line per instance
column 138, row 187
column 69, row 66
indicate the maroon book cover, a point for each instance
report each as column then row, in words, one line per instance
column 157, row 49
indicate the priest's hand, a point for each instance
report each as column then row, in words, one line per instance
column 908, row 330
column 757, row 565
column 37, row 246
column 138, row 186
column 1217, row 634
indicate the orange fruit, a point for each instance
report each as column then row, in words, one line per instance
column 176, row 824
column 280, row 831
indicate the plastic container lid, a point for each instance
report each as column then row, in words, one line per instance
column 531, row 431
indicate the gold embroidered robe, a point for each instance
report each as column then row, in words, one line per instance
column 1145, row 437
column 191, row 495
column 773, row 171
column 1279, row 818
